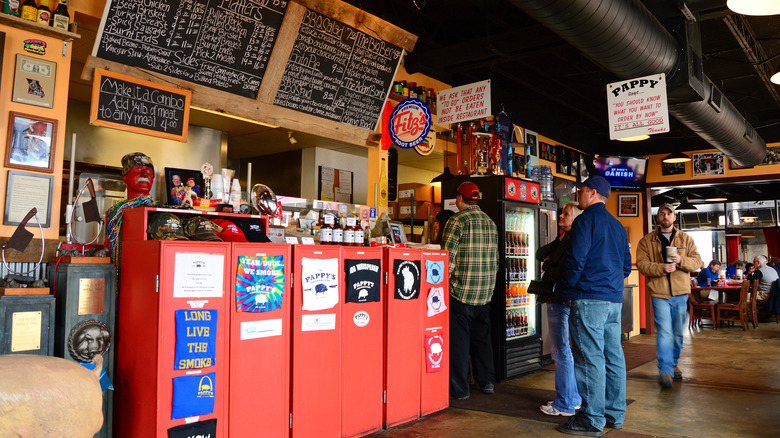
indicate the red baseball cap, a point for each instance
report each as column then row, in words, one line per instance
column 230, row 232
column 468, row 190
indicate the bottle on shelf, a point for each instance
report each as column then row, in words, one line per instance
column 60, row 19
column 44, row 13
column 360, row 237
column 349, row 232
column 12, row 7
column 338, row 231
column 30, row 10
column 326, row 230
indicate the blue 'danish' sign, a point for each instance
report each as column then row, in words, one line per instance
column 410, row 123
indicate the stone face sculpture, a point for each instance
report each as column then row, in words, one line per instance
column 49, row 396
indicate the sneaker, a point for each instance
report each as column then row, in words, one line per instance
column 489, row 389
column 666, row 381
column 578, row 425
column 677, row 374
column 465, row 397
column 614, row 426
column 576, row 408
column 552, row 410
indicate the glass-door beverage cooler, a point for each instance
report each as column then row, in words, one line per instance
column 516, row 328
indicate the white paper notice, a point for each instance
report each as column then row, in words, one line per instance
column 638, row 107
column 312, row 323
column 319, row 281
column 261, row 329
column 198, row 275
column 345, row 180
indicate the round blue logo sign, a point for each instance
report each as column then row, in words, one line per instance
column 410, row 122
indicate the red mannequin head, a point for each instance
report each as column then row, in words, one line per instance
column 138, row 174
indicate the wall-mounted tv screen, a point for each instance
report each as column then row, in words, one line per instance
column 623, row 173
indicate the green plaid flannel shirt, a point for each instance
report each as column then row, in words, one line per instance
column 471, row 238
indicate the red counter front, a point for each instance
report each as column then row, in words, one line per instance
column 435, row 379
column 260, row 336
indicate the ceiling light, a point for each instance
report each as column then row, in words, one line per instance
column 685, row 206
column 676, row 157
column 291, row 138
column 716, row 199
column 750, row 217
column 446, row 175
column 754, row 7
column 634, row 138
column 230, row 116
column 775, row 78
column 732, row 232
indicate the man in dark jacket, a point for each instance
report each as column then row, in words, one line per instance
column 597, row 262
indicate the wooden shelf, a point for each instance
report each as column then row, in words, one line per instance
column 12, row 21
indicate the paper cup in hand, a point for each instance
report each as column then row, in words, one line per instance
column 669, row 251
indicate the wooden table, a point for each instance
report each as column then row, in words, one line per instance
column 724, row 291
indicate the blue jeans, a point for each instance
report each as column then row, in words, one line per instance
column 669, row 322
column 566, row 397
column 599, row 364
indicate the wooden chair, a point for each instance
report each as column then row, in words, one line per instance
column 700, row 308
column 752, row 305
column 735, row 312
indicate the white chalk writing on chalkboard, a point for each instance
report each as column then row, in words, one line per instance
column 338, row 72
column 220, row 44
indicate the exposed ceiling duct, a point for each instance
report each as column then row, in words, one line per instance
column 626, row 39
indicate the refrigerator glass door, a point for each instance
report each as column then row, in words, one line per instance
column 520, row 246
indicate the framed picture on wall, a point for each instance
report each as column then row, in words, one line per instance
column 708, row 164
column 628, row 205
column 25, row 190
column 563, row 162
column 179, row 181
column 672, row 168
column 586, row 165
column 30, row 142
column 574, row 169
column 532, row 139
column 34, row 81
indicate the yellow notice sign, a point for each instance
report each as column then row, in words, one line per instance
column 26, row 331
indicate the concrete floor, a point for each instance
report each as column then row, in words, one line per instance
column 730, row 388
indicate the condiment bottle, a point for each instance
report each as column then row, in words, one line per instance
column 44, row 13
column 338, row 232
column 30, row 10
column 61, row 18
column 359, row 235
column 349, row 232
column 326, row 230
column 11, row 7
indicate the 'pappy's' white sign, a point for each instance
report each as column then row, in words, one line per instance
column 638, row 107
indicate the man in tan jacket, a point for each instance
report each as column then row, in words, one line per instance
column 666, row 257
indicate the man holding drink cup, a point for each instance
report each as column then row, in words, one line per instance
column 666, row 257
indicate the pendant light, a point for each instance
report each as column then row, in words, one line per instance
column 732, row 232
column 754, row 7
column 634, row 138
column 444, row 176
column 676, row 157
column 750, row 217
column 685, row 207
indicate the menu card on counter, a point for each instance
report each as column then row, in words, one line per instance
column 219, row 44
column 338, row 72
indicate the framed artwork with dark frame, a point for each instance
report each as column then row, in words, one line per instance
column 24, row 191
column 628, row 205
column 177, row 182
column 672, row 168
column 708, row 164
column 532, row 139
column 574, row 169
column 563, row 162
column 30, row 142
column 586, row 167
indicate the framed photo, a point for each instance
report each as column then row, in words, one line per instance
column 34, row 81
column 397, row 233
column 532, row 139
column 574, row 168
column 672, row 168
column 628, row 205
column 548, row 151
column 178, row 181
column 772, row 156
column 708, row 164
column 734, row 166
column 30, row 142
column 23, row 192
column 564, row 160
column 586, row 166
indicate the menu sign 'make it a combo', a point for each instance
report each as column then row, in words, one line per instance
column 220, row 44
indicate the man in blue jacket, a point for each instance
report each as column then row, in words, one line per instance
column 595, row 266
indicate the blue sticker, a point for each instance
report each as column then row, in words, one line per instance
column 434, row 271
column 196, row 339
column 193, row 395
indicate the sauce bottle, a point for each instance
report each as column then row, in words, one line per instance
column 60, row 18
column 12, row 7
column 349, row 233
column 326, row 230
column 44, row 13
column 338, row 232
column 29, row 10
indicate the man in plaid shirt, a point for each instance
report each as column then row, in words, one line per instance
column 471, row 238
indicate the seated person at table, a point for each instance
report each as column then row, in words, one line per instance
column 765, row 274
column 709, row 276
column 731, row 270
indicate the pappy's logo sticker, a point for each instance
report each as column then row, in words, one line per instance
column 361, row 318
column 434, row 271
column 436, row 301
column 434, row 353
column 407, row 279
column 35, row 46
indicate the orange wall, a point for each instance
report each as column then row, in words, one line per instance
column 14, row 43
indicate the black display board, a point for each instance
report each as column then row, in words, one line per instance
column 219, row 44
column 130, row 104
column 338, row 72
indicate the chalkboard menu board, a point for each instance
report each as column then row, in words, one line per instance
column 219, row 44
column 338, row 72
column 130, row 104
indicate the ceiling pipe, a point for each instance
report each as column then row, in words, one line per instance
column 624, row 37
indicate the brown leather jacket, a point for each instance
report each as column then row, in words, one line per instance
column 650, row 261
